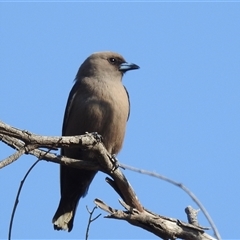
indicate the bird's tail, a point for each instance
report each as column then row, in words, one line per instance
column 64, row 216
column 74, row 185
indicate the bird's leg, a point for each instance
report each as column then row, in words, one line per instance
column 115, row 162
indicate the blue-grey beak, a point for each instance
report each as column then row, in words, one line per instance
column 128, row 66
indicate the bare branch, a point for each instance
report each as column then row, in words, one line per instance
column 165, row 228
column 90, row 220
column 45, row 155
column 192, row 215
column 12, row 158
column 85, row 141
column 106, row 163
column 194, row 198
column 17, row 199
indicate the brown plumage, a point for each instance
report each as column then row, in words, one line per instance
column 98, row 102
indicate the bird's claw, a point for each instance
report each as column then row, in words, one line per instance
column 116, row 165
column 97, row 136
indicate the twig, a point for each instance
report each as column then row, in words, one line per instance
column 12, row 158
column 19, row 191
column 17, row 199
column 194, row 198
column 90, row 220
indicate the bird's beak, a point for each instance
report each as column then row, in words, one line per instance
column 128, row 66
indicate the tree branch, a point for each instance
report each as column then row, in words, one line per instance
column 90, row 220
column 91, row 141
column 25, row 142
column 185, row 189
column 163, row 227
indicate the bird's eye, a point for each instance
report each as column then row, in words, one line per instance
column 112, row 60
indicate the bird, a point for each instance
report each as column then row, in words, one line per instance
column 98, row 102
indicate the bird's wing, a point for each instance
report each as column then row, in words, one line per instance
column 128, row 102
column 68, row 109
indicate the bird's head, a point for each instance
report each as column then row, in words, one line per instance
column 105, row 64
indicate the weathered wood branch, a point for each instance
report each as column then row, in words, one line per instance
column 163, row 227
column 25, row 142
column 21, row 139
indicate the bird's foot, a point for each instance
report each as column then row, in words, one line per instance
column 97, row 136
column 115, row 162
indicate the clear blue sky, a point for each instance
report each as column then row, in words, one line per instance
column 185, row 107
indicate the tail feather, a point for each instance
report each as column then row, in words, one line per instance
column 74, row 185
column 64, row 216
column 64, row 222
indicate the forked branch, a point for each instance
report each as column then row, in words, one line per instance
column 25, row 142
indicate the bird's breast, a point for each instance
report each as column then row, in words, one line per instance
column 104, row 110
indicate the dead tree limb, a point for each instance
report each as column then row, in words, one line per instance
column 25, row 142
column 163, row 227
column 21, row 139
